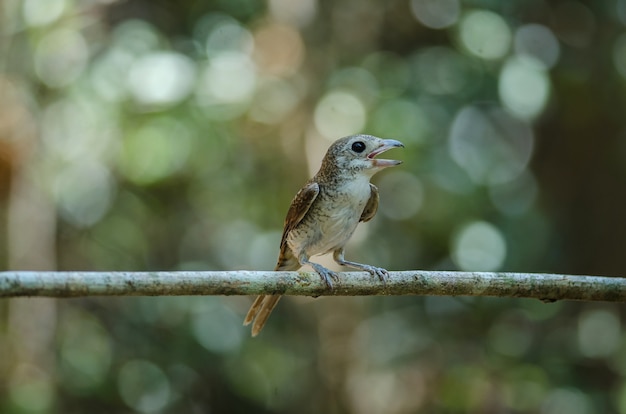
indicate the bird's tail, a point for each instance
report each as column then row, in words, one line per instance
column 260, row 311
column 264, row 304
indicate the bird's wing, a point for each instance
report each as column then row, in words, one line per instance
column 372, row 205
column 300, row 205
column 264, row 304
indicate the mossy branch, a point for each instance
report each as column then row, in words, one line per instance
column 548, row 287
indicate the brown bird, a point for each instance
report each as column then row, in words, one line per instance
column 325, row 212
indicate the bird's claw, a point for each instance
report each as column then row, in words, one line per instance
column 327, row 275
column 381, row 273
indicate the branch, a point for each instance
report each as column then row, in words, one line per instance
column 547, row 287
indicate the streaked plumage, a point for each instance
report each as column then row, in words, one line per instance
column 325, row 212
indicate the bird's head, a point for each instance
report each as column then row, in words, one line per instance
column 357, row 154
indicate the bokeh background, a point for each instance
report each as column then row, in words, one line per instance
column 158, row 135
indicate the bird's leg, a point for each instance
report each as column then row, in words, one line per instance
column 325, row 274
column 373, row 270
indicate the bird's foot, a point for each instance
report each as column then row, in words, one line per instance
column 381, row 273
column 326, row 275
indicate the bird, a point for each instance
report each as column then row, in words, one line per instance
column 325, row 212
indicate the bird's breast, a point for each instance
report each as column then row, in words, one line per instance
column 332, row 219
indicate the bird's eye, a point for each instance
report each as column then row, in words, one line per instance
column 358, row 147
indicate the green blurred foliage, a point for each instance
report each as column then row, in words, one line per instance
column 143, row 135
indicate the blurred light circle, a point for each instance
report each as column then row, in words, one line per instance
column 573, row 23
column 155, row 151
column 485, row 34
column 619, row 55
column 298, row 13
column 567, row 401
column 136, row 36
column 539, row 42
column 31, row 389
column 161, row 78
column 84, row 192
column 106, row 71
column 621, row 398
column 85, row 352
column 511, row 334
column 490, row 145
column 436, row 14
column 42, row 12
column 339, row 114
column 441, row 71
column 391, row 72
column 621, row 14
column 524, row 87
column 263, row 249
column 599, row 333
column 402, row 195
column 401, row 119
column 75, row 129
column 218, row 330
column 279, row 49
column 515, row 197
column 479, row 246
column 229, row 78
column 226, row 35
column 60, row 57
column 358, row 81
column 231, row 243
column 525, row 388
column 143, row 386
column 448, row 175
column 274, row 98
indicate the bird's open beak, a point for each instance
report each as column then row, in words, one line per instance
column 387, row 145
